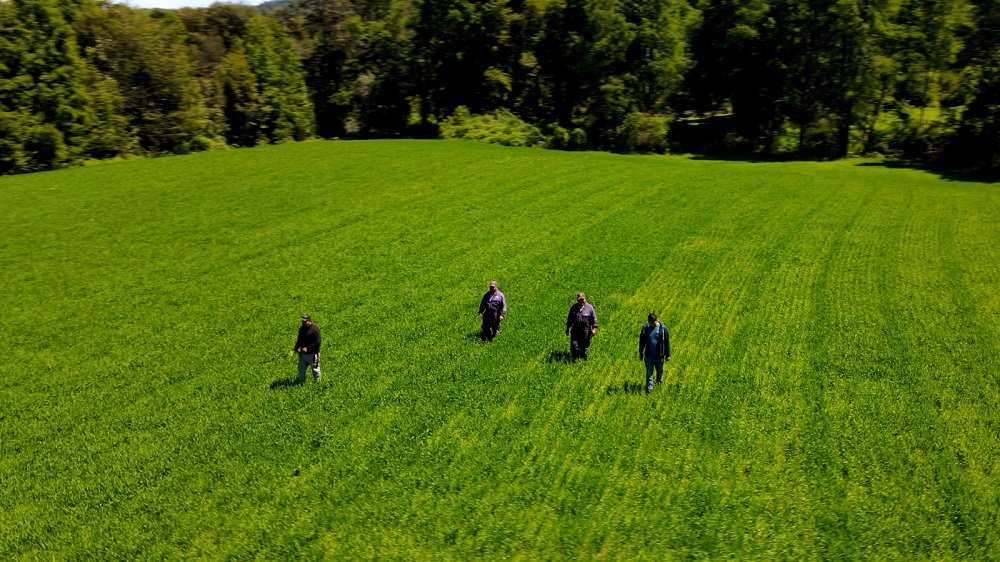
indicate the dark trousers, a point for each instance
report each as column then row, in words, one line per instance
column 578, row 343
column 491, row 324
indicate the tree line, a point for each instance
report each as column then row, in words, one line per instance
column 915, row 79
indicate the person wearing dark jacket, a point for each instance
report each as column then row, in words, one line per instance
column 493, row 309
column 307, row 346
column 654, row 349
column 581, row 326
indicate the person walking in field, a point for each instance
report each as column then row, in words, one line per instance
column 493, row 309
column 307, row 346
column 581, row 326
column 654, row 349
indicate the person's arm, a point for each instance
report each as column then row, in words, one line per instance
column 593, row 316
column 482, row 303
column 642, row 342
column 503, row 303
column 666, row 335
column 569, row 320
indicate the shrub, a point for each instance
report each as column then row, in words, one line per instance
column 499, row 127
column 644, row 132
column 199, row 144
column 45, row 148
column 559, row 138
column 577, row 139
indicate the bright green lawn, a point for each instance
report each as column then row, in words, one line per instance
column 833, row 392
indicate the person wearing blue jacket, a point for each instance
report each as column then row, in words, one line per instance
column 654, row 349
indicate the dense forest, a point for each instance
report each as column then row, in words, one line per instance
column 908, row 79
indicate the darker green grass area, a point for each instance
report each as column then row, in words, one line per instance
column 833, row 393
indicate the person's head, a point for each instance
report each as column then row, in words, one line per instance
column 652, row 319
column 581, row 298
column 493, row 286
column 307, row 320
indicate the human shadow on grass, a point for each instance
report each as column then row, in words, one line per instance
column 626, row 388
column 284, row 383
column 477, row 336
column 560, row 356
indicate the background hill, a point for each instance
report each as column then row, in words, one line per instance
column 832, row 394
column 273, row 4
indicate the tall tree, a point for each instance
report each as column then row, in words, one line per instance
column 244, row 108
column 461, row 55
column 977, row 142
column 280, row 80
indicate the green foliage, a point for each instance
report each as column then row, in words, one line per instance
column 805, row 78
column 244, row 107
column 977, row 143
column 605, row 60
column 47, row 111
column 280, row 81
column 44, row 147
column 831, row 71
column 13, row 129
column 832, row 392
column 499, row 127
column 211, row 35
column 200, row 144
column 148, row 60
column 360, row 66
column 112, row 135
column 642, row 132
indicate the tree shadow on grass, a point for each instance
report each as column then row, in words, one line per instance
column 284, row 383
column 561, row 356
column 626, row 388
column 945, row 174
column 759, row 158
column 966, row 175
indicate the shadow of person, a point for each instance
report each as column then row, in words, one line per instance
column 284, row 383
column 561, row 356
column 474, row 336
column 626, row 388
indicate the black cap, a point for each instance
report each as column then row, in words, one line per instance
column 651, row 317
column 306, row 317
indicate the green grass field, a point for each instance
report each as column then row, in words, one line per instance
column 833, row 392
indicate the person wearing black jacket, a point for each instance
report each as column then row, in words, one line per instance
column 307, row 346
column 654, row 348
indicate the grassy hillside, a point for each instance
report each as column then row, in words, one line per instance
column 833, row 391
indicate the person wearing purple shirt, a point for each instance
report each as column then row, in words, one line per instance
column 581, row 326
column 493, row 309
